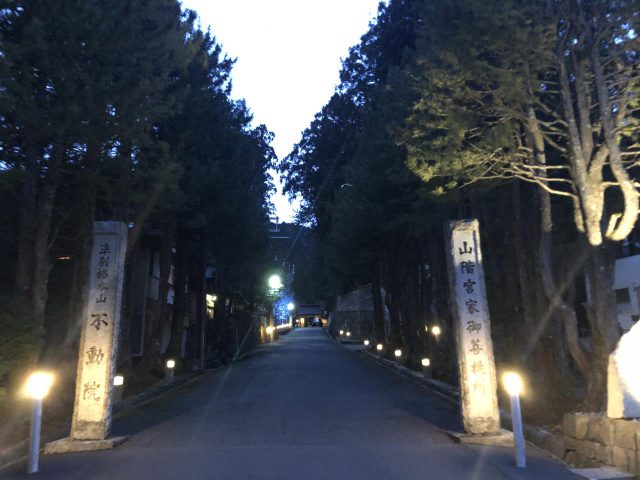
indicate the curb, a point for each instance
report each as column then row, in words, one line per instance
column 553, row 444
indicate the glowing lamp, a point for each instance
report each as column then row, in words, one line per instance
column 341, row 332
column 512, row 383
column 275, row 282
column 290, row 306
column 426, row 328
column 38, row 385
column 397, row 352
column 366, row 343
column 269, row 330
column 436, row 331
column 426, row 362
column 171, row 363
column 118, row 381
column 379, row 347
column 348, row 334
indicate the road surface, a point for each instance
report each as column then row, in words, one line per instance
column 302, row 408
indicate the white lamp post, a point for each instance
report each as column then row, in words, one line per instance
column 37, row 388
column 513, row 384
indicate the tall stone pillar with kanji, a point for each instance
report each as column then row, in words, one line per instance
column 97, row 357
column 478, row 387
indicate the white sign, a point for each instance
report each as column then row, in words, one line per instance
column 475, row 348
column 100, row 325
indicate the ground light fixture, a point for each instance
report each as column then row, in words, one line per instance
column 118, row 386
column 436, row 331
column 269, row 330
column 426, row 371
column 397, row 352
column 37, row 388
column 513, row 385
column 348, row 334
column 341, row 332
column 379, row 347
column 169, row 368
column 366, row 343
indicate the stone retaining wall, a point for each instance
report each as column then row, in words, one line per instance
column 592, row 439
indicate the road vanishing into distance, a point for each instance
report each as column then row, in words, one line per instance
column 304, row 407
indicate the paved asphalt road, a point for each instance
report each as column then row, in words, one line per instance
column 302, row 408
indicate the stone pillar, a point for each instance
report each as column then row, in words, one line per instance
column 99, row 336
column 473, row 329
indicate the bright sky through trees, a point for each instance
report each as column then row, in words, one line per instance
column 288, row 58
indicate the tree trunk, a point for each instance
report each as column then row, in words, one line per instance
column 378, row 303
column 180, row 297
column 601, row 309
column 154, row 341
column 42, row 242
column 24, row 265
column 567, row 313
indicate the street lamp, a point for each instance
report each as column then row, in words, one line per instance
column 366, row 343
column 397, row 353
column 513, row 385
column 290, row 306
column 275, row 282
column 37, row 388
column 379, row 347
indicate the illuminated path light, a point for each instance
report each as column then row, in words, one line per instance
column 37, row 388
column 513, row 385
column 169, row 369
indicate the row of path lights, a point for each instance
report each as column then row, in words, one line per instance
column 512, row 383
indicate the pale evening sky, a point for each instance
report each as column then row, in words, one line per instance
column 288, row 58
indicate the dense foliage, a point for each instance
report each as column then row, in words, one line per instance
column 521, row 114
column 120, row 111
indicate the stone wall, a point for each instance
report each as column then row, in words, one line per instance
column 592, row 439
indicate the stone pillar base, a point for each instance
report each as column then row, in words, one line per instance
column 69, row 445
column 504, row 438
